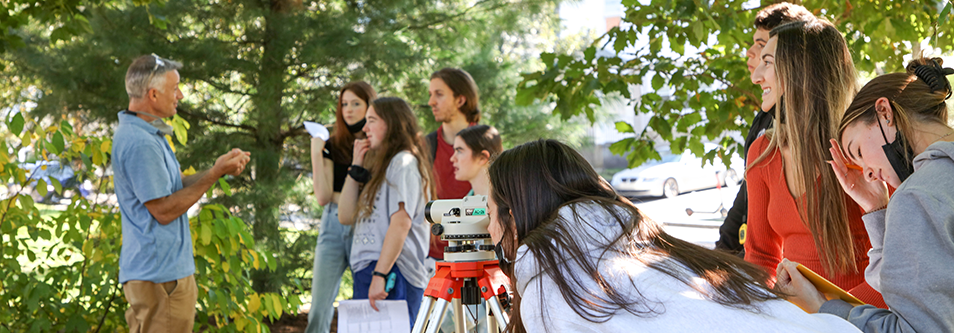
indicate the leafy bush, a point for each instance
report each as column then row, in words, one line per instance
column 59, row 268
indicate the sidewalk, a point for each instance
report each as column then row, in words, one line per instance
column 702, row 228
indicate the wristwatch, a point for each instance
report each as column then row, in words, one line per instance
column 376, row 273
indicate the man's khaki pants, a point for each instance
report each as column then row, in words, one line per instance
column 161, row 307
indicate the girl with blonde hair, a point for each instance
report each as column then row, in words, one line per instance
column 797, row 210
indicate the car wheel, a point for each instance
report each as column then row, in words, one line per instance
column 731, row 178
column 670, row 188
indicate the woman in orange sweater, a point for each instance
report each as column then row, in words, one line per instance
column 796, row 208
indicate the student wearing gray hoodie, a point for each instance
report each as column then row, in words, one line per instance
column 896, row 133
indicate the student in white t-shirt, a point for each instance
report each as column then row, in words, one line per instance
column 388, row 185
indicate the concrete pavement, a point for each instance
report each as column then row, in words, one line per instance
column 702, row 227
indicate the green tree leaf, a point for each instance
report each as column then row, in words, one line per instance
column 624, row 127
column 16, row 123
column 41, row 187
column 206, row 234
column 58, row 142
column 56, row 185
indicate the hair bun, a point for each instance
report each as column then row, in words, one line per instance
column 931, row 72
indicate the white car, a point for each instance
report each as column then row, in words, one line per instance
column 676, row 174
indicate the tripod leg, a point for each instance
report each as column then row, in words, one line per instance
column 491, row 319
column 427, row 305
column 494, row 305
column 436, row 315
column 460, row 323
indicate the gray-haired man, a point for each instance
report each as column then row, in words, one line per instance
column 156, row 264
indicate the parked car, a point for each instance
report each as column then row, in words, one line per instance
column 676, row 174
column 45, row 170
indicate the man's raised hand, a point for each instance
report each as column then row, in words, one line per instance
column 231, row 163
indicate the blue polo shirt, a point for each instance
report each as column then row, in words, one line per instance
column 145, row 168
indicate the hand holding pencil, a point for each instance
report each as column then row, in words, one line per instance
column 869, row 192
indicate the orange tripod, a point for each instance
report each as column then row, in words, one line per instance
column 460, row 283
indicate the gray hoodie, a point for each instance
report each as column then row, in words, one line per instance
column 912, row 255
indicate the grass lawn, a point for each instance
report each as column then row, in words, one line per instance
column 45, row 249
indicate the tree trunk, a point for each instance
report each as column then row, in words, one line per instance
column 269, row 118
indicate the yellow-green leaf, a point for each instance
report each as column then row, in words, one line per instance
column 254, row 303
column 169, row 139
column 56, row 185
column 240, row 322
column 26, row 202
column 206, row 234
column 97, row 158
column 226, row 266
column 277, row 304
column 225, row 187
column 267, row 304
column 88, row 248
column 105, row 146
column 255, row 262
column 205, row 215
column 41, row 187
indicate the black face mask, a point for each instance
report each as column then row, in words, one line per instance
column 357, row 126
column 502, row 260
column 895, row 152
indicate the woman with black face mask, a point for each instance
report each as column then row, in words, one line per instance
column 895, row 132
column 330, row 163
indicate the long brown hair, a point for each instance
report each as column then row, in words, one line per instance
column 817, row 78
column 461, row 83
column 535, row 180
column 342, row 139
column 403, row 133
column 911, row 98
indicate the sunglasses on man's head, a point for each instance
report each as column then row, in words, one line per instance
column 159, row 62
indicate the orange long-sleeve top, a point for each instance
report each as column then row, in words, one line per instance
column 775, row 230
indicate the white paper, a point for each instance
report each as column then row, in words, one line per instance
column 357, row 316
column 317, row 130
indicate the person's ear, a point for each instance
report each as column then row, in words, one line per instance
column 884, row 110
column 461, row 100
column 486, row 156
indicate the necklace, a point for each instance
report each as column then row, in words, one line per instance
column 945, row 135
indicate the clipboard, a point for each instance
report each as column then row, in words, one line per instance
column 828, row 288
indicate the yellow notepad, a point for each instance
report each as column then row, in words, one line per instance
column 828, row 288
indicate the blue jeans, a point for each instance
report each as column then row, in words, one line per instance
column 402, row 289
column 331, row 260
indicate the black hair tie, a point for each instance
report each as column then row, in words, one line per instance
column 935, row 76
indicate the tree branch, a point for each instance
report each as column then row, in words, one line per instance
column 106, row 312
column 206, row 118
column 446, row 18
column 728, row 84
column 224, row 88
column 296, row 131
